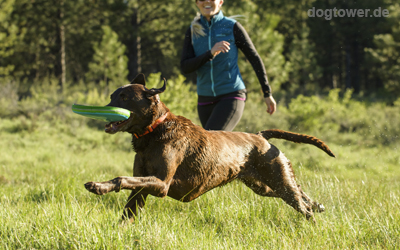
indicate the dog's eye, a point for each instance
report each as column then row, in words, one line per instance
column 123, row 97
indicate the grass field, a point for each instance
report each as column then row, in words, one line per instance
column 44, row 205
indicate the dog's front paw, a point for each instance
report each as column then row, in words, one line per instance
column 96, row 188
column 101, row 188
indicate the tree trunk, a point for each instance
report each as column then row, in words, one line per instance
column 356, row 67
column 348, row 66
column 62, row 47
column 135, row 60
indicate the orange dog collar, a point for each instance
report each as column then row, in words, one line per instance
column 154, row 125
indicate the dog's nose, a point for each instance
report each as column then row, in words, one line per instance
column 88, row 185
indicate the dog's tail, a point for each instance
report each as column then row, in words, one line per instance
column 294, row 137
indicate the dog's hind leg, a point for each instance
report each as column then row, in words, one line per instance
column 258, row 186
column 262, row 189
column 136, row 202
column 278, row 176
column 316, row 207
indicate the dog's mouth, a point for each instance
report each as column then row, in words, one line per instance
column 114, row 127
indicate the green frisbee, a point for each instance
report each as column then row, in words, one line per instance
column 104, row 113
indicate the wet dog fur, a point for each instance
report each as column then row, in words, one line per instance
column 183, row 161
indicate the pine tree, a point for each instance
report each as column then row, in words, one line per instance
column 109, row 64
column 385, row 58
column 9, row 35
column 304, row 70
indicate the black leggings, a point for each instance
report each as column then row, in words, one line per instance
column 222, row 115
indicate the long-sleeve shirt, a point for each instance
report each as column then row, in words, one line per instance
column 190, row 62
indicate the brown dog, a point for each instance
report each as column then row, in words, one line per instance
column 179, row 159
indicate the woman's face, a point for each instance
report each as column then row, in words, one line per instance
column 209, row 8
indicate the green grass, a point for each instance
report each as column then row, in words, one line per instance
column 43, row 204
column 48, row 153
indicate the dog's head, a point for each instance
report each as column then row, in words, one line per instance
column 144, row 104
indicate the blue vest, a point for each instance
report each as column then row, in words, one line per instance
column 220, row 75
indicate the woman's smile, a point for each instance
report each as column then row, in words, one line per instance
column 209, row 8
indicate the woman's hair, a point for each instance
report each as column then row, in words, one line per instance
column 196, row 28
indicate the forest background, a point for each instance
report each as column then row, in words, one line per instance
column 114, row 40
column 336, row 79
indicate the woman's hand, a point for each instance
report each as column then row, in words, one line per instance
column 271, row 104
column 219, row 47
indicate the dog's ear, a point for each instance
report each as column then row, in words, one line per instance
column 152, row 92
column 139, row 79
